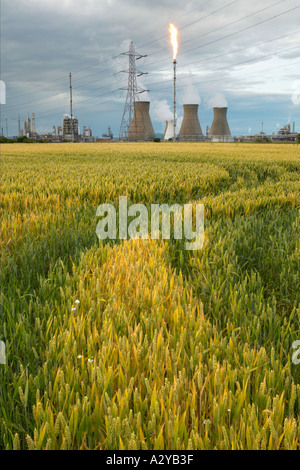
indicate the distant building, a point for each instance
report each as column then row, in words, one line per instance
column 285, row 130
column 70, row 127
column 86, row 132
column 286, row 133
column 109, row 135
column 87, row 135
column 33, row 124
column 27, row 126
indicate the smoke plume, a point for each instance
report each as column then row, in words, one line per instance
column 161, row 111
column 296, row 93
column 217, row 101
column 190, row 94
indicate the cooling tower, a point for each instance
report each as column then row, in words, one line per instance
column 169, row 132
column 141, row 127
column 220, row 129
column 190, row 127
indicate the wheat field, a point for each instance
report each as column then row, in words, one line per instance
column 141, row 344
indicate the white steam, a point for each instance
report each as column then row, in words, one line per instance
column 161, row 111
column 217, row 101
column 296, row 93
column 178, row 123
column 190, row 94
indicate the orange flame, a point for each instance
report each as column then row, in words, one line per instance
column 174, row 41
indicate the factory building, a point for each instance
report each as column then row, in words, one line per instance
column 27, row 126
column 33, row 124
column 86, row 132
column 87, row 135
column 286, row 133
column 109, row 135
column 70, row 127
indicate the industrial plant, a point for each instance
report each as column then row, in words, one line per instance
column 68, row 131
column 29, row 127
column 141, row 129
column 136, row 124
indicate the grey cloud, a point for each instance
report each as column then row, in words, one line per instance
column 43, row 41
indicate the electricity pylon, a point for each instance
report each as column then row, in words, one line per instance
column 132, row 92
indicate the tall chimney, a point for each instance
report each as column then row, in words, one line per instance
column 190, row 127
column 33, row 124
column 220, row 128
column 169, row 132
column 141, row 127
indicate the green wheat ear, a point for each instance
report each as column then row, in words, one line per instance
column 163, row 343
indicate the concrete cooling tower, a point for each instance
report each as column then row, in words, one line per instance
column 220, row 131
column 141, row 127
column 190, row 128
column 169, row 132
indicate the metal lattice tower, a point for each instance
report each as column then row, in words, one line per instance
column 132, row 92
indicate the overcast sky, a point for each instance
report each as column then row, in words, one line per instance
column 244, row 54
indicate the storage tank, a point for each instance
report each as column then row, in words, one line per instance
column 141, row 127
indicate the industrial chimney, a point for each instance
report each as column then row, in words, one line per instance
column 141, row 127
column 190, row 127
column 169, row 132
column 220, row 131
column 33, row 124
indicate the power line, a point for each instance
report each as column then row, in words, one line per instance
column 236, row 21
column 271, row 6
column 192, row 23
column 59, row 114
column 228, row 35
column 205, row 59
column 229, row 66
column 247, row 28
column 198, row 47
column 203, row 45
column 188, row 25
